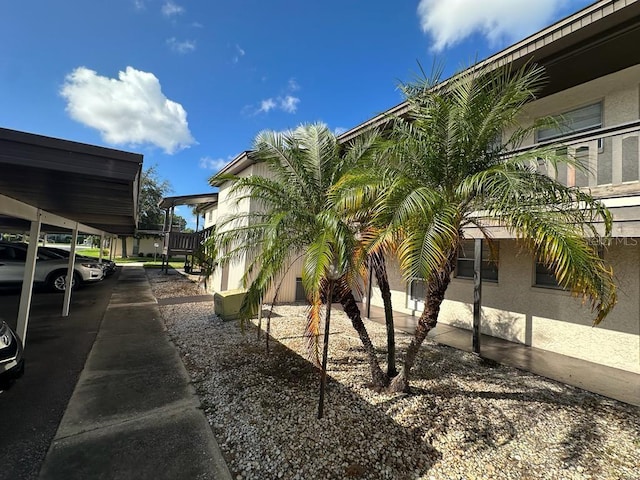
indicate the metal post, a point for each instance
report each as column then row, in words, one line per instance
column 70, row 273
column 325, row 350
column 27, row 280
column 477, row 294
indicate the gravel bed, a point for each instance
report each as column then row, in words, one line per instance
column 465, row 418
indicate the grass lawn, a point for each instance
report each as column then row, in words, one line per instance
column 148, row 262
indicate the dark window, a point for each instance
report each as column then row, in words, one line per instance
column 545, row 277
column 7, row 253
column 579, row 120
column 466, row 254
column 418, row 290
column 300, row 295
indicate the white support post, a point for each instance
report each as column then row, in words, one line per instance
column 27, row 280
column 70, row 269
column 101, row 248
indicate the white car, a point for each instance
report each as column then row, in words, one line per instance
column 50, row 270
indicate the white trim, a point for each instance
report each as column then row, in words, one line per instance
column 27, row 281
column 616, row 202
column 17, row 209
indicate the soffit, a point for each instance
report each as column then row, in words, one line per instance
column 92, row 185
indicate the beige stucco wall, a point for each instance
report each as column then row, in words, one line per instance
column 619, row 93
column 546, row 318
column 145, row 245
column 210, row 216
column 227, row 206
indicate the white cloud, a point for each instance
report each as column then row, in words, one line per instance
column 267, row 105
column 129, row 110
column 339, row 130
column 139, row 4
column 293, row 85
column 170, row 9
column 285, row 102
column 289, row 104
column 449, row 22
column 182, row 47
column 214, row 164
column 239, row 53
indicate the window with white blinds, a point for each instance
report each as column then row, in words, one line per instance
column 574, row 121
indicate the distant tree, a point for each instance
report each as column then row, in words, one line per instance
column 179, row 223
column 152, row 191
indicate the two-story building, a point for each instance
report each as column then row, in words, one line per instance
column 592, row 62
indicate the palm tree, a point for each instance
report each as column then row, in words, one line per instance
column 447, row 167
column 294, row 219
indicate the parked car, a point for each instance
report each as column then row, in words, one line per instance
column 108, row 266
column 51, row 270
column 11, row 355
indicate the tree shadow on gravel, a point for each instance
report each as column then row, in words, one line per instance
column 354, row 439
column 478, row 402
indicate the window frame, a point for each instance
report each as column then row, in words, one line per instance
column 561, row 118
column 538, row 265
column 489, row 264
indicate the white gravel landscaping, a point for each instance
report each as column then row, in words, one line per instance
column 465, row 419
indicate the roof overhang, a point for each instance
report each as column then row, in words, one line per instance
column 593, row 42
column 73, row 183
column 201, row 201
column 235, row 166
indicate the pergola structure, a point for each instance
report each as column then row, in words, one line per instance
column 184, row 243
column 53, row 185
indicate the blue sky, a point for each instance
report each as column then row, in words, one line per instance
column 189, row 83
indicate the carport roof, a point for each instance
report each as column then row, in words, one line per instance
column 92, row 185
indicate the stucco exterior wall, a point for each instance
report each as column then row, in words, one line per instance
column 618, row 92
column 210, row 216
column 230, row 276
column 545, row 318
column 145, row 245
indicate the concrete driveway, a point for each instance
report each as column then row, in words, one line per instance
column 57, row 348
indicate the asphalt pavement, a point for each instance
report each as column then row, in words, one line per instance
column 105, row 394
column 56, row 351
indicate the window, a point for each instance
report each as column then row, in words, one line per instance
column 466, row 254
column 579, row 120
column 417, row 290
column 545, row 277
column 7, row 253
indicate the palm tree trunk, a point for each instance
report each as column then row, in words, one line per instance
column 350, row 307
column 380, row 270
column 436, row 288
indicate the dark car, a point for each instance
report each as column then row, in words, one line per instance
column 11, row 359
column 108, row 266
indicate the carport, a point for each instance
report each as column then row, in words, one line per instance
column 54, row 185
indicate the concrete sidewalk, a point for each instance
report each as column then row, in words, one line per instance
column 134, row 413
column 607, row 381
